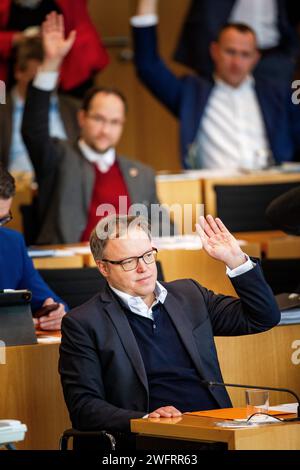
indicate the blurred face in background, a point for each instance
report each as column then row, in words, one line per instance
column 102, row 124
column 24, row 75
column 235, row 55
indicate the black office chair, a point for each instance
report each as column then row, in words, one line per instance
column 88, row 440
column 283, row 275
column 76, row 286
column 242, row 207
column 98, row 441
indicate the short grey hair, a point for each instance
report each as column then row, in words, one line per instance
column 114, row 226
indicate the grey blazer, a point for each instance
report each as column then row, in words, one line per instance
column 66, row 178
column 68, row 108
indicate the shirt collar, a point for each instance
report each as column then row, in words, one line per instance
column 104, row 161
column 248, row 83
column 137, row 305
column 17, row 99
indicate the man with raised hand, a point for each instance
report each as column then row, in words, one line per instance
column 82, row 180
column 141, row 347
column 232, row 122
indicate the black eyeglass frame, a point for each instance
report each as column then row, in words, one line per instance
column 122, row 262
column 7, row 218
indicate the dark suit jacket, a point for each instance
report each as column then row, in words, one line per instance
column 66, row 178
column 187, row 98
column 204, row 20
column 68, row 108
column 102, row 371
column 17, row 270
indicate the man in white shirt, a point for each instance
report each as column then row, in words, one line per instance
column 227, row 123
column 141, row 347
column 277, row 38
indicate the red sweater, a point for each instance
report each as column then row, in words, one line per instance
column 108, row 188
column 87, row 55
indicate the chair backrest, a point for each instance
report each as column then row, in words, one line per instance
column 76, row 286
column 241, row 202
column 283, row 275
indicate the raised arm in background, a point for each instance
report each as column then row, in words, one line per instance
column 35, row 127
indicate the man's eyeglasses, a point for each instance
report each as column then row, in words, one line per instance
column 7, row 218
column 98, row 119
column 129, row 264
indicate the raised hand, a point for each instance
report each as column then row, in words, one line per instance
column 146, row 7
column 56, row 46
column 219, row 243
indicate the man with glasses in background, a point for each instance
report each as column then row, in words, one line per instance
column 141, row 347
column 76, row 178
column 16, row 268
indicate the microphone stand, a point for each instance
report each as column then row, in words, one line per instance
column 273, row 389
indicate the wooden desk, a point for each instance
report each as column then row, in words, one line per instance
column 31, row 392
column 261, row 237
column 183, row 199
column 194, row 428
column 285, row 247
column 235, row 201
column 268, row 358
column 257, row 178
column 59, row 262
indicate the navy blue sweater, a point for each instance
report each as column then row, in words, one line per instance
column 172, row 377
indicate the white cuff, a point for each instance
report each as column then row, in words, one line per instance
column 142, row 21
column 146, row 416
column 45, row 81
column 242, row 269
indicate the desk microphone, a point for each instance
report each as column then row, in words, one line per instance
column 273, row 389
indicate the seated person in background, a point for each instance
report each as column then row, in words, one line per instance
column 284, row 212
column 232, row 122
column 80, row 181
column 62, row 112
column 16, row 268
column 21, row 18
column 276, row 34
column 140, row 346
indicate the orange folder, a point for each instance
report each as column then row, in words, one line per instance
column 230, row 413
